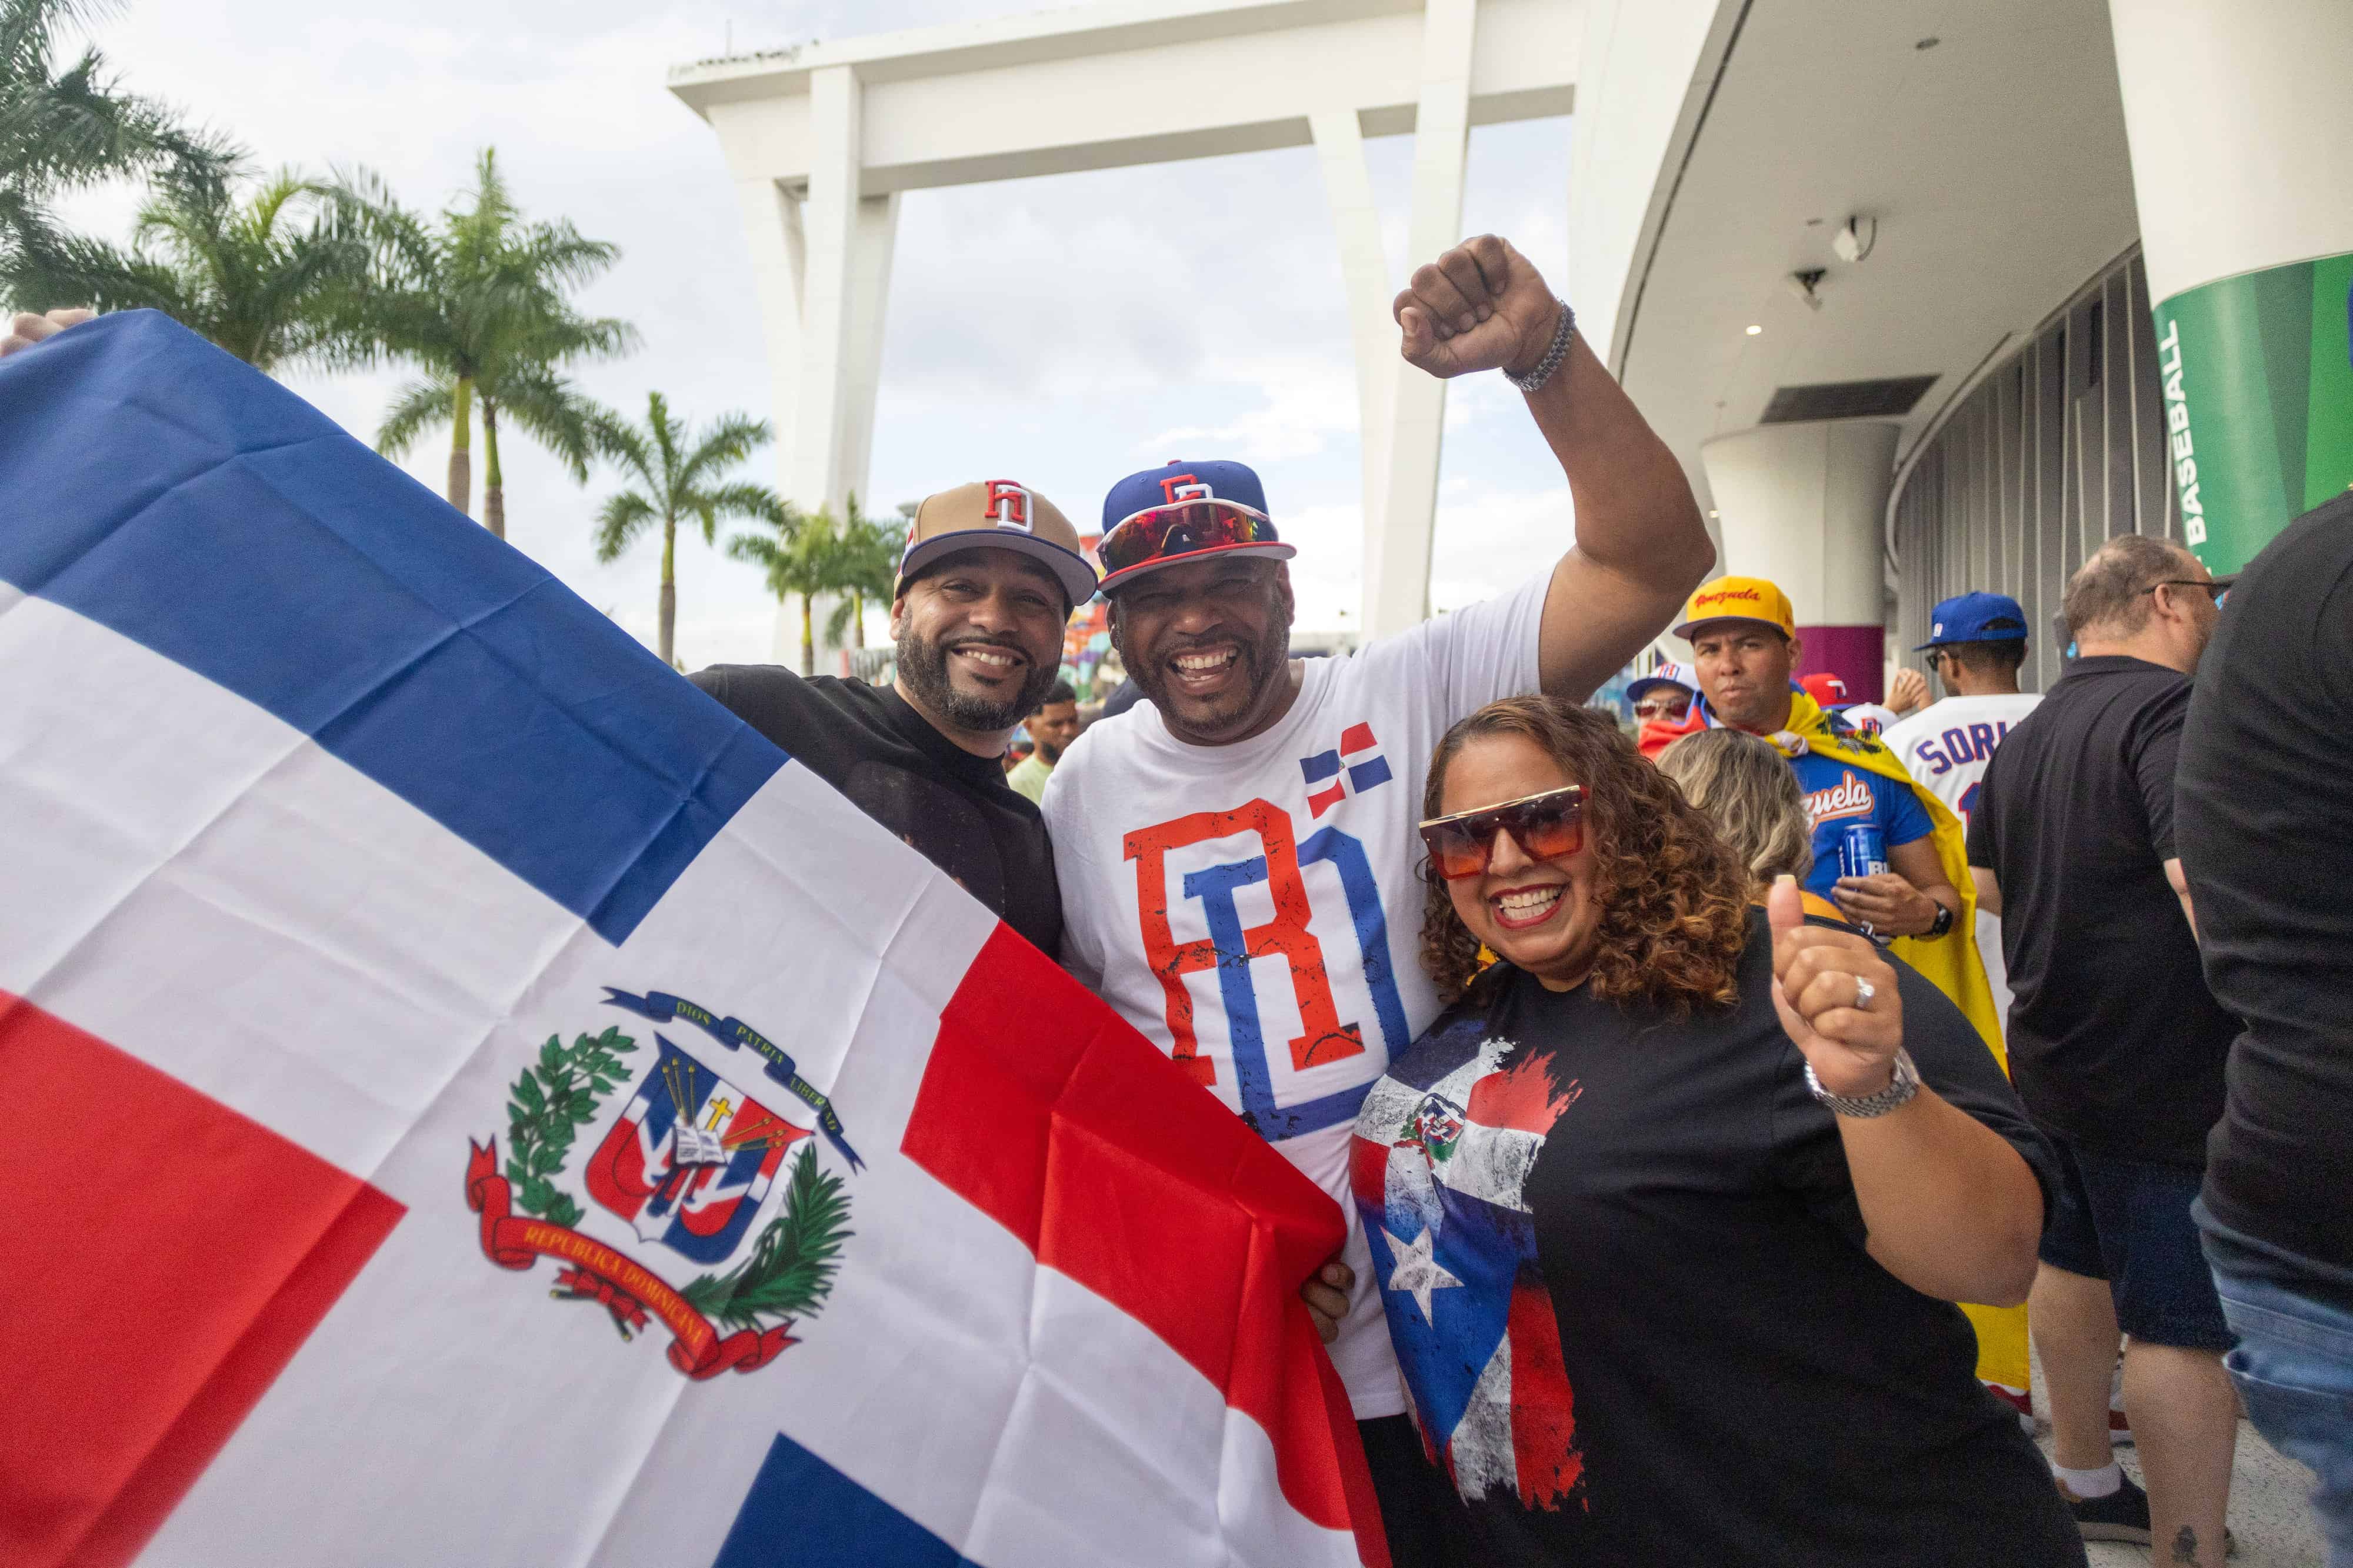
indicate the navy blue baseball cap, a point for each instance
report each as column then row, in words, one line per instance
column 1182, row 511
column 1975, row 617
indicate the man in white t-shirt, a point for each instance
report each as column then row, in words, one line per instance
column 1237, row 854
column 1976, row 642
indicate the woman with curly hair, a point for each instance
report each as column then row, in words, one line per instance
column 1670, row 1207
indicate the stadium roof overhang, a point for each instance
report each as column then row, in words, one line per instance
column 1993, row 160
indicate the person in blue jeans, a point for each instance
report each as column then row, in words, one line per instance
column 2264, row 824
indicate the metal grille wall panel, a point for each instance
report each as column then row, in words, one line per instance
column 2058, row 448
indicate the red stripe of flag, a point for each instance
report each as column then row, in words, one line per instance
column 1089, row 1147
column 1543, row 1406
column 167, row 1257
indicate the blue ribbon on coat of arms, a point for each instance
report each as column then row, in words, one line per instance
column 732, row 1032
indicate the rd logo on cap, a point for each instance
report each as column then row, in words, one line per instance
column 1184, row 487
column 1009, row 505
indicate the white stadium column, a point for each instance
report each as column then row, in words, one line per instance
column 2234, row 113
column 1802, row 505
column 822, row 262
column 872, row 238
column 1397, row 566
column 830, row 221
column 1365, row 266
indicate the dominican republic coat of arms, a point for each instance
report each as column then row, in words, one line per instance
column 689, row 1164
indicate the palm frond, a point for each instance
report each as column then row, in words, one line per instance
column 618, row 441
column 553, row 412
column 416, row 408
column 753, row 502
column 791, row 1270
column 730, row 438
column 619, row 521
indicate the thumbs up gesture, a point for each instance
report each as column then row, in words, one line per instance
column 1480, row 306
column 1820, row 975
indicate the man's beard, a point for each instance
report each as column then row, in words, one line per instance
column 924, row 664
column 1267, row 659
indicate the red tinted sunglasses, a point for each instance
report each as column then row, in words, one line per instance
column 1545, row 826
column 1188, row 528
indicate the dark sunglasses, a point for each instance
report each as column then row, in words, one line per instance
column 1545, row 826
column 1188, row 528
column 2217, row 589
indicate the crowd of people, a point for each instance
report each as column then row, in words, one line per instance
column 1661, row 1076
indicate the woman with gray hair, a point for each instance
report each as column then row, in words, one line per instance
column 1743, row 785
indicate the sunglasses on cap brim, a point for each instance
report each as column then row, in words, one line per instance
column 1181, row 528
column 1545, row 826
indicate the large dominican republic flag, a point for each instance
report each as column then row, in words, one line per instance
column 474, row 1102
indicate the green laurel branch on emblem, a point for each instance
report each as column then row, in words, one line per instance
column 554, row 1099
column 791, row 1269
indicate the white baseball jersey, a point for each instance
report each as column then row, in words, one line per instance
column 1947, row 746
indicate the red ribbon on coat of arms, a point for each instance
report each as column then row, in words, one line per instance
column 624, row 1286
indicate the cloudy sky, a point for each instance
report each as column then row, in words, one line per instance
column 1111, row 321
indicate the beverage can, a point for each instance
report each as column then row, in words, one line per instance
column 1862, row 849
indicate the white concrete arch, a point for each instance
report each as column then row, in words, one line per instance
column 821, row 140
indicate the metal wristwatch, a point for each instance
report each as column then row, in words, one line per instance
column 1557, row 350
column 1901, row 1087
column 1943, row 923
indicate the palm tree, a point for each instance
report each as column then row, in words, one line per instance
column 860, row 562
column 479, row 303
column 265, row 279
column 680, row 478
column 794, row 555
column 63, row 131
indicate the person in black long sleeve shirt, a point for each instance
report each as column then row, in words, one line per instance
column 991, row 574
column 2264, row 818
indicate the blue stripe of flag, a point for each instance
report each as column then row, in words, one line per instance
column 168, row 491
column 801, row 1512
column 1320, row 766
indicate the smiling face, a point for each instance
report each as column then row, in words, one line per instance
column 1209, row 642
column 980, row 640
column 1744, row 671
column 1545, row 916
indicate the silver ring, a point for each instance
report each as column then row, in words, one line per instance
column 1863, row 992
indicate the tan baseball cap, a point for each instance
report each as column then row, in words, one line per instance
column 999, row 514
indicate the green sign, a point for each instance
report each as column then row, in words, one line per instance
column 2258, row 372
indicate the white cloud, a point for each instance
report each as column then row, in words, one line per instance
column 1306, row 405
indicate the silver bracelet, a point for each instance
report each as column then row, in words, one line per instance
column 1553, row 354
column 1902, row 1083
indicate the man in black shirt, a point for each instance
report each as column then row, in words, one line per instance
column 2266, row 835
column 991, row 574
column 2116, row 1046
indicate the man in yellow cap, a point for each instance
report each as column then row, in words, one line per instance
column 1745, row 647
column 990, row 576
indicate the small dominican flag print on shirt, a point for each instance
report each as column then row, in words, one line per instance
column 1354, row 767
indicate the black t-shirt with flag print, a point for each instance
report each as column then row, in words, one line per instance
column 1623, row 1267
